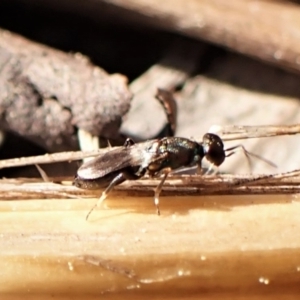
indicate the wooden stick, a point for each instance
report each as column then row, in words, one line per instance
column 267, row 30
column 228, row 133
column 238, row 132
column 283, row 183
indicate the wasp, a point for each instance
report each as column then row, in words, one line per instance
column 158, row 157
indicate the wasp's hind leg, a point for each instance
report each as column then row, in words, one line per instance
column 120, row 178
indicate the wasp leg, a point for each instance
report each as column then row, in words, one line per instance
column 158, row 190
column 199, row 169
column 129, row 142
column 125, row 175
column 212, row 170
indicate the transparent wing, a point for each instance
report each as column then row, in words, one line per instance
column 117, row 159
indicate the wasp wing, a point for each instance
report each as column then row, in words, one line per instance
column 117, row 159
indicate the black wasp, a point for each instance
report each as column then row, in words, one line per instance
column 154, row 157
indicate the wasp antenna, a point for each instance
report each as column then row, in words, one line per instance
column 245, row 153
column 248, row 154
column 262, row 158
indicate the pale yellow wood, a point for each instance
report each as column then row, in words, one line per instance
column 220, row 247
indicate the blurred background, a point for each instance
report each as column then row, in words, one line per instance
column 227, row 62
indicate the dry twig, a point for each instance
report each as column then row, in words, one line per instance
column 228, row 133
column 284, row 183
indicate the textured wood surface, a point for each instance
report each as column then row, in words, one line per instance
column 221, row 247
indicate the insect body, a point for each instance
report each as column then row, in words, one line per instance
column 156, row 157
